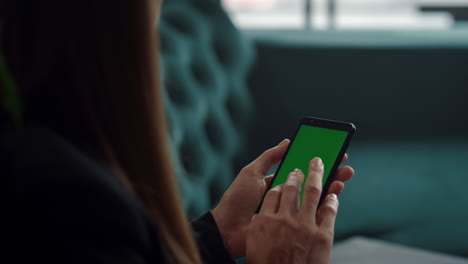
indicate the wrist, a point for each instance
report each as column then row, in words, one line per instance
column 224, row 231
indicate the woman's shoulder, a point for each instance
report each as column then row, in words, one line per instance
column 37, row 160
column 38, row 156
column 59, row 192
column 36, row 153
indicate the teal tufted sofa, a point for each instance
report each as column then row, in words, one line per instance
column 205, row 64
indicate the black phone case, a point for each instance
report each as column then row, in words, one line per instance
column 324, row 123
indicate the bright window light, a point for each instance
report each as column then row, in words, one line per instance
column 345, row 14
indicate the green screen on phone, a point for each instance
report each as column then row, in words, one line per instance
column 311, row 142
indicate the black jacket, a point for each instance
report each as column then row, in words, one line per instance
column 65, row 206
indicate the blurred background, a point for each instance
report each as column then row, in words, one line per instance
column 240, row 74
column 347, row 14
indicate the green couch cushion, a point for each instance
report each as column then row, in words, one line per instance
column 205, row 63
column 413, row 193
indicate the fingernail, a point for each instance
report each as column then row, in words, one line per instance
column 282, row 142
column 277, row 188
column 333, row 196
column 292, row 179
column 318, row 161
column 315, row 163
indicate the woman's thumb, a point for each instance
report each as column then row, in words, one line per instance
column 269, row 158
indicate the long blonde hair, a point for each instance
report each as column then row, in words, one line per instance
column 98, row 60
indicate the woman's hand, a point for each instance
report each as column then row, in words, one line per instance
column 283, row 232
column 240, row 202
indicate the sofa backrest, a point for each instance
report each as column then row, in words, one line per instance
column 205, row 62
column 408, row 86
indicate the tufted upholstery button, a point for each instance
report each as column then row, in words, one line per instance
column 221, row 54
column 238, row 108
column 190, row 158
column 200, row 74
column 205, row 62
column 233, row 108
column 176, row 93
column 164, row 43
column 214, row 133
column 181, row 25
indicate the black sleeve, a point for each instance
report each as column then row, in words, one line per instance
column 209, row 240
column 74, row 223
column 66, row 208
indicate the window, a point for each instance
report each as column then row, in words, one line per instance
column 348, row 14
column 266, row 13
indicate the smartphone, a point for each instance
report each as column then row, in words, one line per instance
column 315, row 137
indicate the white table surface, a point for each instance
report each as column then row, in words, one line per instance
column 361, row 250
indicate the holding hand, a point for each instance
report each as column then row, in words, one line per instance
column 240, row 202
column 285, row 233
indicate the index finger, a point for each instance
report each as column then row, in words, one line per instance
column 312, row 190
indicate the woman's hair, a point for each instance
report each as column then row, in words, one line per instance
column 98, row 62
